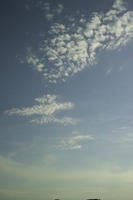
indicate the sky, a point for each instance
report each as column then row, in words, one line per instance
column 66, row 106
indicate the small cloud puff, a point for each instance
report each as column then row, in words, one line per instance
column 45, row 110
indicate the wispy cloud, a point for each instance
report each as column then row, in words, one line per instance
column 126, row 138
column 122, row 129
column 108, row 72
column 45, row 110
column 71, row 47
column 50, row 12
column 74, row 142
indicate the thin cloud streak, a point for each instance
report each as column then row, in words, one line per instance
column 74, row 142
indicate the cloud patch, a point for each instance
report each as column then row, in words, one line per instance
column 74, row 45
column 45, row 110
column 49, row 12
column 75, row 142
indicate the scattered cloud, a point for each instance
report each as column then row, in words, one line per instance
column 72, row 47
column 74, row 142
column 49, row 12
column 45, row 110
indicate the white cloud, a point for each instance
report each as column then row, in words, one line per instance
column 35, row 61
column 74, row 142
column 45, row 110
column 119, row 5
column 72, row 47
column 64, row 120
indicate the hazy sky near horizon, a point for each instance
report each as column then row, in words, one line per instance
column 66, row 110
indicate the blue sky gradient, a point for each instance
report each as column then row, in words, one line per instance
column 66, row 100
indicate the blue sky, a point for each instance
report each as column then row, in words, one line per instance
column 66, row 100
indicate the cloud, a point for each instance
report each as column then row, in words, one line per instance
column 74, row 45
column 45, row 110
column 74, row 142
column 49, row 12
column 127, row 138
column 108, row 72
column 60, row 8
column 125, row 128
column 119, row 5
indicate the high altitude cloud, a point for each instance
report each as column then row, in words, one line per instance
column 49, row 12
column 73, row 46
column 45, row 110
column 74, row 142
